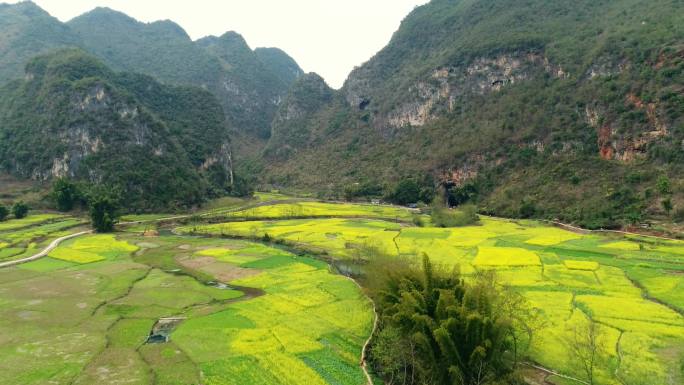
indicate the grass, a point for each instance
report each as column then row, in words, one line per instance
column 14, row 224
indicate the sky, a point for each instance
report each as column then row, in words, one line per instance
column 329, row 37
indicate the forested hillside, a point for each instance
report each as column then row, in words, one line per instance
column 164, row 146
column 249, row 84
column 527, row 108
column 26, row 31
column 572, row 110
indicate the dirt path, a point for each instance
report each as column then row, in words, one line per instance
column 45, row 251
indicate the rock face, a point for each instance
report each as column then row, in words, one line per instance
column 530, row 99
column 292, row 127
column 76, row 118
column 250, row 90
column 440, row 92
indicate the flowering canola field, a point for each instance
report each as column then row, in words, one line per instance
column 632, row 286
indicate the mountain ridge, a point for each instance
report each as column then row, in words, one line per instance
column 161, row 49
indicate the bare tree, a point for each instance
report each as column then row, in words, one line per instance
column 585, row 347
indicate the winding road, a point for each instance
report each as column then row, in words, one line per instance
column 45, row 251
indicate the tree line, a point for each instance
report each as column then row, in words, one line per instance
column 102, row 202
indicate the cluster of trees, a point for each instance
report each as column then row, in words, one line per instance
column 406, row 191
column 18, row 210
column 436, row 328
column 102, row 202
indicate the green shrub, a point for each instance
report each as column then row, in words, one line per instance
column 65, row 194
column 437, row 329
column 3, row 212
column 417, row 220
column 103, row 206
column 528, row 209
column 465, row 215
column 679, row 215
column 20, row 210
column 407, row 191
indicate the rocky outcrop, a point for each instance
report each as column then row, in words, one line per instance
column 293, row 125
column 622, row 147
column 76, row 118
column 443, row 88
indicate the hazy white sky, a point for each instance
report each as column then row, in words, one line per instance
column 329, row 37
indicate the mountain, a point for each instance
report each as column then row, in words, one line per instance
column 279, row 63
column 289, row 130
column 251, row 89
column 248, row 87
column 248, row 83
column 165, row 146
column 26, row 31
column 570, row 110
column 161, row 49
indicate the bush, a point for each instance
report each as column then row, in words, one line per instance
column 437, row 329
column 103, row 207
column 679, row 215
column 664, row 186
column 3, row 212
column 465, row 215
column 417, row 220
column 528, row 209
column 407, row 191
column 65, row 194
column 20, row 210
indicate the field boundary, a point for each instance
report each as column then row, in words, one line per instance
column 622, row 232
column 45, row 251
column 364, row 349
column 554, row 373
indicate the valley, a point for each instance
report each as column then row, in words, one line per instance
column 255, row 289
column 494, row 197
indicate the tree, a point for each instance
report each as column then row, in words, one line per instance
column 438, row 329
column 407, row 191
column 65, row 193
column 663, row 184
column 103, row 206
column 20, row 210
column 667, row 205
column 3, row 213
column 585, row 347
column 527, row 209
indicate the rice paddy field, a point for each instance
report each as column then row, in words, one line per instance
column 209, row 303
column 632, row 286
column 127, row 309
column 20, row 238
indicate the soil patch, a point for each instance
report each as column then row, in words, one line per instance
column 221, row 271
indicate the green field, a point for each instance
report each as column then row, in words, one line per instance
column 86, row 310
column 320, row 209
column 21, row 238
column 631, row 285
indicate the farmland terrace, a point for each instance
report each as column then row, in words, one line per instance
column 257, row 302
